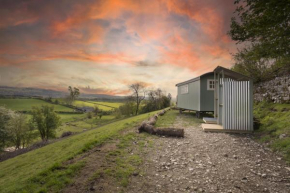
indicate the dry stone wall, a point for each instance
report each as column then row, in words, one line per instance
column 276, row 90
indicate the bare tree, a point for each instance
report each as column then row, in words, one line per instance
column 73, row 95
column 138, row 94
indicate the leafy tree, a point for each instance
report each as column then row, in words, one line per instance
column 18, row 130
column 5, row 116
column 169, row 96
column 46, row 121
column 56, row 101
column 48, row 99
column 138, row 94
column 264, row 25
column 89, row 115
column 156, row 100
column 96, row 110
column 100, row 115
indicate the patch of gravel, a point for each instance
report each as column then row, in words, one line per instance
column 211, row 162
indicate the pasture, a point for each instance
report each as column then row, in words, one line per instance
column 79, row 103
column 27, row 104
column 105, row 106
column 108, row 104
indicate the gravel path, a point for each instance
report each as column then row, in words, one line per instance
column 211, row 162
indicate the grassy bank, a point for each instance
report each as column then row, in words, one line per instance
column 274, row 126
column 42, row 169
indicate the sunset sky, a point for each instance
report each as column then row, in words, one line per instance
column 101, row 46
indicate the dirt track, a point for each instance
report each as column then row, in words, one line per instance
column 211, row 162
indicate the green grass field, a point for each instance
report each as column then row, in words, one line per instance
column 109, row 104
column 105, row 106
column 188, row 119
column 37, row 171
column 275, row 121
column 27, row 104
column 65, row 118
column 83, row 104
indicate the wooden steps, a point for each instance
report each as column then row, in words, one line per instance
column 219, row 128
column 210, row 120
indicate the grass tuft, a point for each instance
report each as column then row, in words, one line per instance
column 274, row 120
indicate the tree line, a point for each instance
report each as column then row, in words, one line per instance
column 144, row 100
column 262, row 27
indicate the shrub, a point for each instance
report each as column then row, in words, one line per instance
column 268, row 121
column 66, row 133
column 89, row 115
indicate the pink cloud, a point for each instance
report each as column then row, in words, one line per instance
column 181, row 34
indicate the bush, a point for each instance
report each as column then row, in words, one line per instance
column 66, row 133
column 89, row 115
column 128, row 108
column 118, row 114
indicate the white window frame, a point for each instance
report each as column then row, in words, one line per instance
column 210, row 82
column 184, row 89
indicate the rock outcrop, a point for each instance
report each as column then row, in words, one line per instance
column 276, row 90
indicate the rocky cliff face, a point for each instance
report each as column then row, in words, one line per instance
column 276, row 90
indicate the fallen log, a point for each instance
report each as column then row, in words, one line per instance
column 145, row 127
column 161, row 113
column 171, row 132
column 152, row 120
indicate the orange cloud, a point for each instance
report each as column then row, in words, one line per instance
column 217, row 51
column 178, row 51
column 186, row 35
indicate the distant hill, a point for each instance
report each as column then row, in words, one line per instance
column 37, row 92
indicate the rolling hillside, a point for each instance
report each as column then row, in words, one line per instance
column 37, row 171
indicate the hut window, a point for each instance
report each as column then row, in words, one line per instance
column 210, row 84
column 184, row 89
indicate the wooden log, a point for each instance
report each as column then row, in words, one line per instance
column 152, row 120
column 171, row 132
column 144, row 127
column 161, row 113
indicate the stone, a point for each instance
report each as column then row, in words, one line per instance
column 282, row 136
column 244, row 180
column 200, row 190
